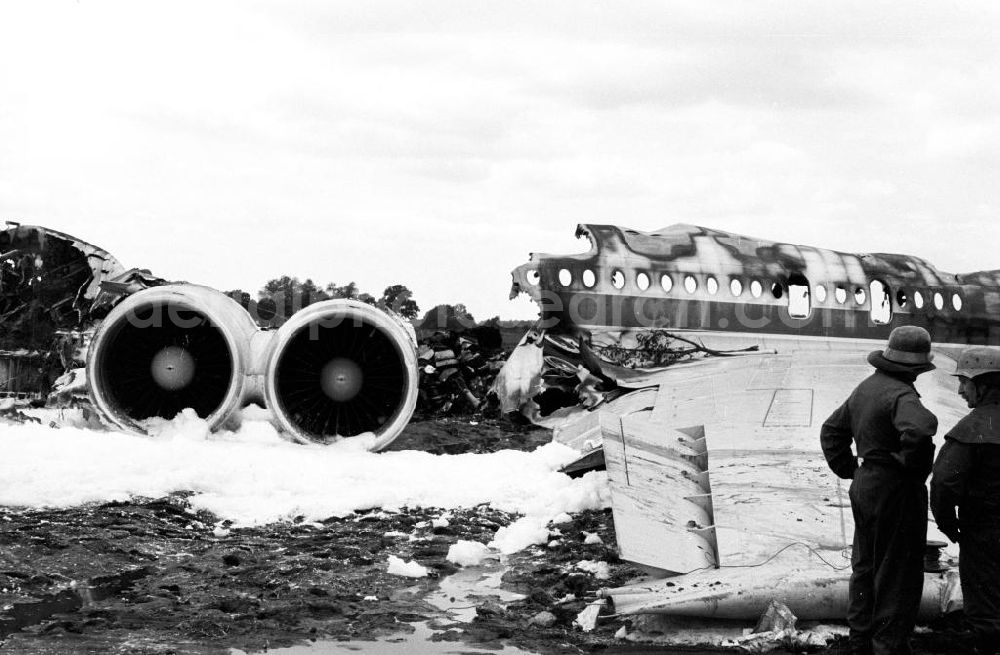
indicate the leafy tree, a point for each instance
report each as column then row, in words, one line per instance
column 290, row 295
column 286, row 294
column 349, row 290
column 450, row 317
column 400, row 300
column 239, row 295
column 282, row 284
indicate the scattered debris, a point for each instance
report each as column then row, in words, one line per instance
column 586, row 620
column 776, row 618
column 457, row 371
column 553, row 376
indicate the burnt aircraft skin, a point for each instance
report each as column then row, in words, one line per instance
column 50, row 288
column 690, row 277
column 59, row 270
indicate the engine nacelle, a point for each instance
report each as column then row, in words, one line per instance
column 341, row 368
column 338, row 368
column 167, row 348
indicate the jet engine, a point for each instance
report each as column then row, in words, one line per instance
column 167, row 348
column 342, row 368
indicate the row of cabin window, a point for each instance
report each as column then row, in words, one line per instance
column 757, row 289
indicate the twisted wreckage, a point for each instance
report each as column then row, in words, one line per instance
column 693, row 364
column 697, row 366
column 50, row 293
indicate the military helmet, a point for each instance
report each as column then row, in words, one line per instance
column 978, row 361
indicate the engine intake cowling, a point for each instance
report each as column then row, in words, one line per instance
column 341, row 368
column 167, row 348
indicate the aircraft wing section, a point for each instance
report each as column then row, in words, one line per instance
column 659, row 494
column 726, row 468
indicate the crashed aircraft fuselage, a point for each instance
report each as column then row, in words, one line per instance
column 689, row 277
column 713, row 458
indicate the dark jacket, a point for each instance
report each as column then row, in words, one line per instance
column 966, row 484
column 889, row 426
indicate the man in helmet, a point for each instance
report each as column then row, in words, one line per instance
column 891, row 432
column 965, row 492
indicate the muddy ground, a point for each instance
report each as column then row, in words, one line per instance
column 151, row 576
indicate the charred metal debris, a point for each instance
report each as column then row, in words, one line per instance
column 457, row 370
column 53, row 287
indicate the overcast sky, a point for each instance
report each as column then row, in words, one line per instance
column 436, row 144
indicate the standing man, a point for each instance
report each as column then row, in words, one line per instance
column 892, row 434
column 965, row 493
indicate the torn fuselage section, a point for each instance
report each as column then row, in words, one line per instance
column 639, row 301
column 49, row 282
column 608, row 323
column 686, row 277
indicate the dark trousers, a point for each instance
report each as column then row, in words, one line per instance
column 979, row 568
column 890, row 533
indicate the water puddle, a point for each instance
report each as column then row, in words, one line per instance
column 21, row 615
column 460, row 593
column 457, row 597
column 419, row 641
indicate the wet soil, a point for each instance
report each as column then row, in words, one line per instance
column 152, row 576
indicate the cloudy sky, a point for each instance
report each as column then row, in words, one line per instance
column 436, row 144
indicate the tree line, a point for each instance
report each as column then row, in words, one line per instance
column 281, row 297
